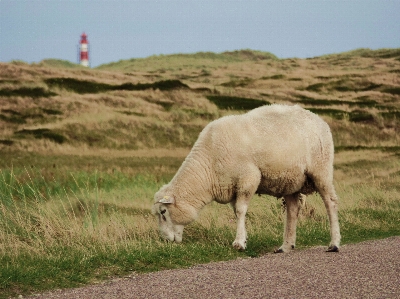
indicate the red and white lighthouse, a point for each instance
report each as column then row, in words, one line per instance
column 83, row 51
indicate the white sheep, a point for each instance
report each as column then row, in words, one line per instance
column 279, row 150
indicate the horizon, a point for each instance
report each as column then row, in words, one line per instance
column 32, row 31
column 194, row 53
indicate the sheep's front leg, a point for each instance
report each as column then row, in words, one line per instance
column 246, row 187
column 240, row 208
column 292, row 213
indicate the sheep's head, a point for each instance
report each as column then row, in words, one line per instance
column 172, row 216
column 169, row 229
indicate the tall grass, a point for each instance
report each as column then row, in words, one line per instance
column 80, row 227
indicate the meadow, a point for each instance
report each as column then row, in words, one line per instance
column 84, row 150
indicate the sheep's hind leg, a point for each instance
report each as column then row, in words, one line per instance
column 293, row 205
column 328, row 194
column 330, row 201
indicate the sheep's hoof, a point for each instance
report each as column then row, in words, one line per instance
column 333, row 248
column 279, row 250
column 239, row 246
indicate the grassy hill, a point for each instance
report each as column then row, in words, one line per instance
column 165, row 101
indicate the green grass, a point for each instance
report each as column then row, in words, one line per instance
column 66, row 223
column 367, row 53
column 58, row 63
column 196, row 60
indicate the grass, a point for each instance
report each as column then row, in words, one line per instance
column 71, row 229
column 84, row 150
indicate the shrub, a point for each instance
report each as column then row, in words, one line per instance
column 361, row 116
column 236, row 103
column 82, row 86
column 43, row 133
column 33, row 92
column 334, row 113
column 78, row 86
column 238, row 83
column 6, row 142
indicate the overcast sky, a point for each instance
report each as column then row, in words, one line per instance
column 33, row 30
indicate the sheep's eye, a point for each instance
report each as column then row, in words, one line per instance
column 162, row 215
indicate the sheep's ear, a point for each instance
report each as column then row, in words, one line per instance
column 167, row 199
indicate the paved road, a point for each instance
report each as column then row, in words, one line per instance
column 365, row 270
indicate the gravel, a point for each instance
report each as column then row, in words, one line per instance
column 365, row 270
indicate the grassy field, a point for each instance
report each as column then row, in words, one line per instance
column 84, row 150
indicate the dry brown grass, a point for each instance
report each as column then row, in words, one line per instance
column 167, row 119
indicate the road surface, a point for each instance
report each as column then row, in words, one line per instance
column 364, row 270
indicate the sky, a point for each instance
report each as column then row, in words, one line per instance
column 33, row 30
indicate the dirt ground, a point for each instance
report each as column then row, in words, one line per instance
column 364, row 270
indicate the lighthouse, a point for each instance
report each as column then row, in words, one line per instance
column 83, row 51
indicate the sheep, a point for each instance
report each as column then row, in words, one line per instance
column 279, row 150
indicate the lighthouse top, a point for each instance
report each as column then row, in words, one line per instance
column 84, row 38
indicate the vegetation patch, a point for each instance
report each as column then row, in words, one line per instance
column 6, row 142
column 344, row 85
column 392, row 90
column 362, row 102
column 366, row 53
column 315, row 87
column 131, row 113
column 33, row 92
column 52, row 111
column 236, row 103
column 238, row 83
column 82, row 86
column 357, row 116
column 78, row 86
column 361, row 116
column 250, row 55
column 59, row 63
column 334, row 113
column 11, row 116
column 277, row 77
column 391, row 115
column 320, row 102
column 166, row 105
column 161, row 85
column 43, row 133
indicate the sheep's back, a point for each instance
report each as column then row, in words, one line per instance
column 282, row 141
